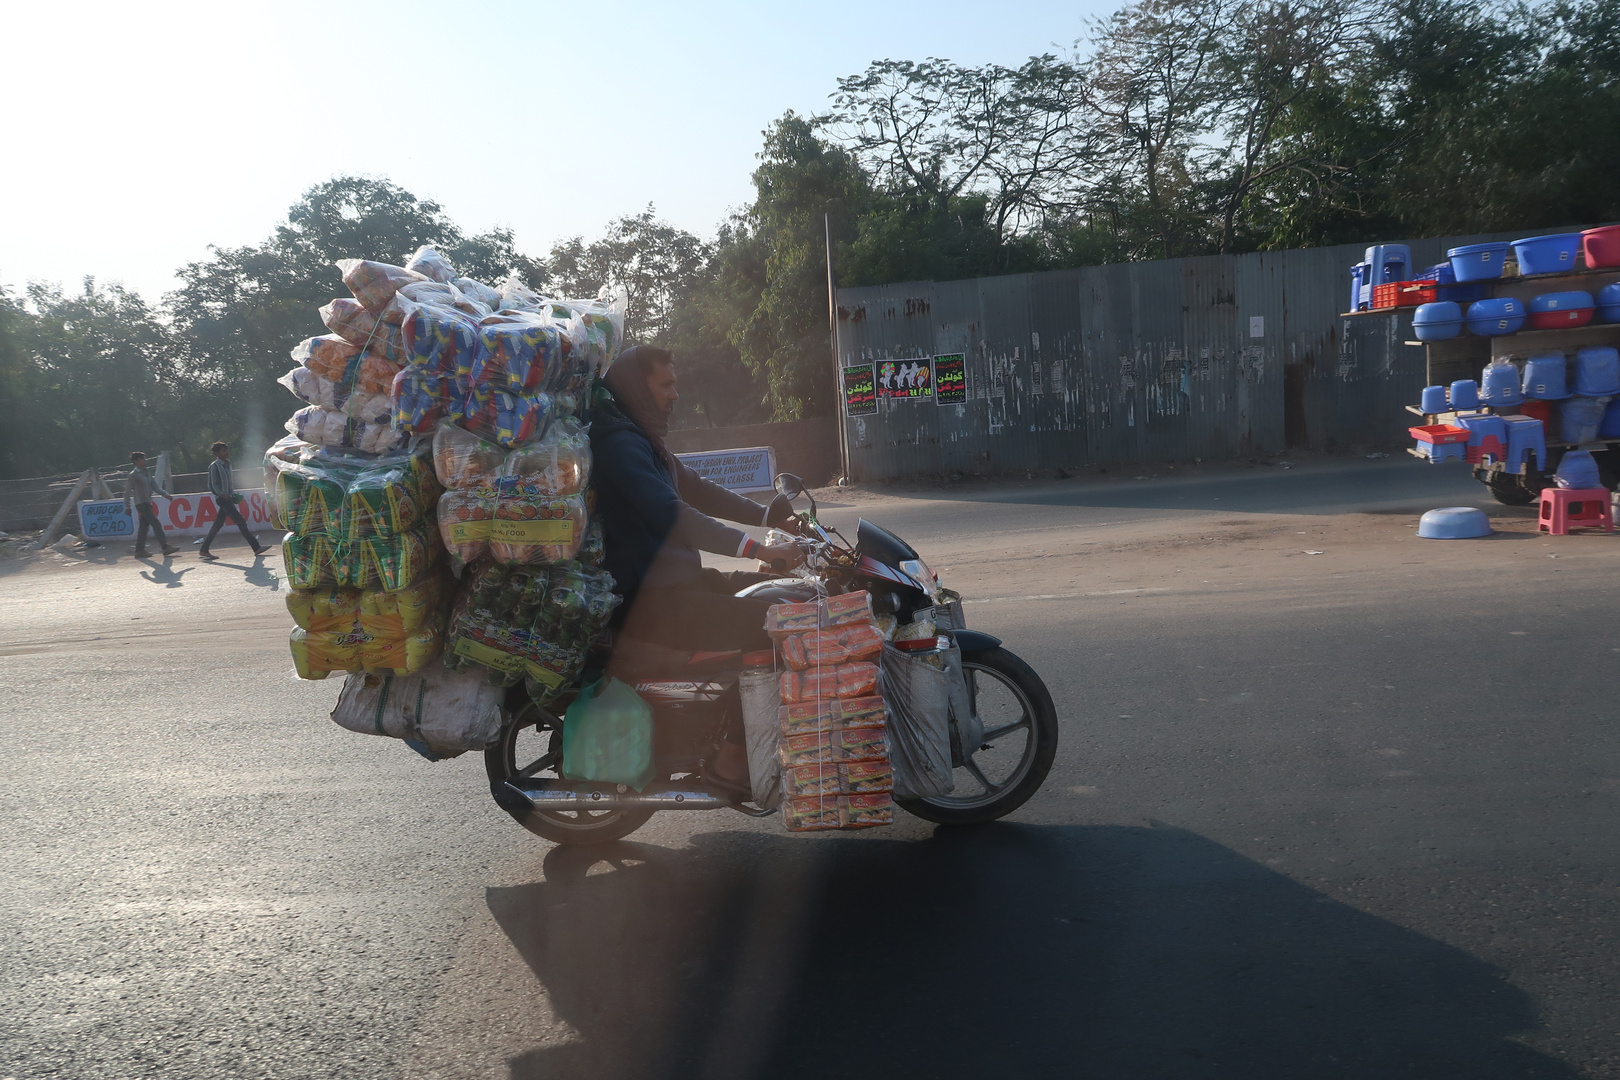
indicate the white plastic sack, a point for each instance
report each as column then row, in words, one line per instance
column 917, row 695
column 447, row 710
column 430, row 264
column 761, row 694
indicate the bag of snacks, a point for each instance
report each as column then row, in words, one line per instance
column 306, row 385
column 438, row 340
column 518, row 353
column 430, row 264
column 353, row 323
column 478, row 291
column 531, row 526
column 330, row 357
column 374, row 283
column 420, row 402
column 559, row 463
column 508, row 419
column 465, row 517
column 330, row 427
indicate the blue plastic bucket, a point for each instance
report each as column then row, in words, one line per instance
column 1438, row 321
column 1578, row 470
column 1579, row 418
column 1545, row 378
column 1608, row 304
column 1500, row 315
column 1477, row 262
column 1554, row 254
column 1465, row 394
column 1434, row 399
column 1499, row 385
column 1610, row 427
column 1597, row 371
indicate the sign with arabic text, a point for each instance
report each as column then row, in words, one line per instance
column 860, row 391
column 950, row 379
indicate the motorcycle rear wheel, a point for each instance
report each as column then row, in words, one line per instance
column 530, row 744
column 1014, row 704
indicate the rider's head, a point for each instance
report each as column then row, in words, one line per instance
column 642, row 379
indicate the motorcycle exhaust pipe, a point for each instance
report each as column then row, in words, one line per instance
column 545, row 794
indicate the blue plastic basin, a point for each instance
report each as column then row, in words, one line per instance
column 1477, row 262
column 1499, row 315
column 1454, row 523
column 1554, row 254
column 1438, row 321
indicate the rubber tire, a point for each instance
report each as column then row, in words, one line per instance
column 615, row 828
column 1044, row 728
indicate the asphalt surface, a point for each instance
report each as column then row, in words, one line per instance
column 1331, row 801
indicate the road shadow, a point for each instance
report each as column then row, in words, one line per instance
column 259, row 573
column 1010, row 951
column 161, row 573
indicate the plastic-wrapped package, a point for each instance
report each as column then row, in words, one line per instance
column 529, row 624
column 375, row 283
column 508, row 419
column 372, row 562
column 851, row 777
column 593, row 549
column 463, row 460
column 420, row 402
column 382, row 501
column 558, row 463
column 838, row 812
column 520, row 353
column 478, row 291
column 325, row 609
column 430, row 264
column 330, row 357
column 343, row 496
column 429, row 294
column 465, row 516
column 316, row 389
column 447, row 711
column 438, row 340
column 404, row 612
column 350, row 321
column 516, row 296
column 329, row 427
column 917, row 694
column 831, row 747
column 532, row 526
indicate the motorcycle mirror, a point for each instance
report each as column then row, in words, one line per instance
column 789, row 485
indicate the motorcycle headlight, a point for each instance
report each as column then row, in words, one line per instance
column 918, row 571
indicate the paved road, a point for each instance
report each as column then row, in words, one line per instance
column 1348, row 814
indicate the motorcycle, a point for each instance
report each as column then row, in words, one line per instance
column 1001, row 753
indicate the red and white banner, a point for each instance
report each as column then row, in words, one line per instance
column 182, row 515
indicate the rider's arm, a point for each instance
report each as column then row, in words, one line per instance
column 715, row 500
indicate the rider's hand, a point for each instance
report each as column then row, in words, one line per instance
column 789, row 555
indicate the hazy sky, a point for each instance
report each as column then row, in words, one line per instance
column 138, row 134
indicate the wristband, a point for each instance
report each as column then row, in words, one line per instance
column 749, row 549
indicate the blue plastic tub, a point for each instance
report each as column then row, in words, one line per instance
column 1477, row 262
column 1500, row 315
column 1437, row 322
column 1597, row 371
column 1434, row 400
column 1608, row 304
column 1454, row 523
column 1579, row 419
column 1545, row 377
column 1578, row 470
column 1610, row 427
column 1554, row 254
column 1499, row 385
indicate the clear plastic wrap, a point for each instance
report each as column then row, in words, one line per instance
column 430, row 264
column 917, row 692
column 558, row 463
column 330, row 357
column 520, row 353
column 343, row 496
column 316, row 389
column 329, row 427
column 438, row 341
column 516, row 296
column 350, row 321
column 478, row 291
column 375, row 283
column 532, row 526
column 420, row 402
column 464, row 460
column 465, row 519
column 508, row 419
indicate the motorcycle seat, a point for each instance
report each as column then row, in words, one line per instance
column 634, row 661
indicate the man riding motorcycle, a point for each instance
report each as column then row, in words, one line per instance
column 655, row 515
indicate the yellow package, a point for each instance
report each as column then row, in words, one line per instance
column 325, row 609
column 316, row 653
column 399, row 614
column 401, row 655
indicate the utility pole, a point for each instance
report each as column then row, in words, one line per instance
column 837, row 364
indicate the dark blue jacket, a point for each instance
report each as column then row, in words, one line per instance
column 655, row 524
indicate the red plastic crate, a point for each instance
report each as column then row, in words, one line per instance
column 1405, row 294
column 1439, row 434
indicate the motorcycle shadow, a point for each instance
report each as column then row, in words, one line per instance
column 1006, row 951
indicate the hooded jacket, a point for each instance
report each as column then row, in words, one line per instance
column 656, row 522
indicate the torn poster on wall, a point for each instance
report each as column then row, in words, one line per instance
column 950, row 379
column 906, row 378
column 860, row 391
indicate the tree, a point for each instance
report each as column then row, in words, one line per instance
column 657, row 264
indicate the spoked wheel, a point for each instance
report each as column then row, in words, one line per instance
column 531, row 745
column 1013, row 758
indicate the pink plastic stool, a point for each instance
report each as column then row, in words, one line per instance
column 1563, row 509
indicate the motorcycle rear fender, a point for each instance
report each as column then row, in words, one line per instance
column 974, row 641
column 781, row 590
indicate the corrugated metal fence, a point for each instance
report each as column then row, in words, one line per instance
column 1209, row 357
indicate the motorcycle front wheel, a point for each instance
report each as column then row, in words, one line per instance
column 531, row 745
column 1013, row 758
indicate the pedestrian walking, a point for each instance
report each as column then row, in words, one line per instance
column 222, row 485
column 138, row 489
